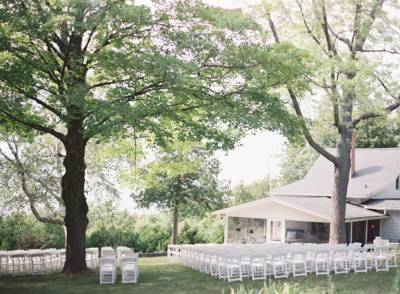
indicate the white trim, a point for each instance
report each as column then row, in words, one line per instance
column 360, row 219
column 226, row 229
column 283, row 231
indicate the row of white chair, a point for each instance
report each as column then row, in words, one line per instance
column 34, row 261
column 233, row 263
column 125, row 258
column 38, row 261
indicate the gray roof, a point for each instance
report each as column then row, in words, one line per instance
column 376, row 168
column 383, row 204
column 322, row 206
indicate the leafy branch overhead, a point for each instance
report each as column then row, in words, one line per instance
column 115, row 66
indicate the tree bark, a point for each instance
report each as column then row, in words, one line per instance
column 343, row 163
column 175, row 223
column 339, row 194
column 73, row 194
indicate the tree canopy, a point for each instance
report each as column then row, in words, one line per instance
column 116, row 66
column 183, row 180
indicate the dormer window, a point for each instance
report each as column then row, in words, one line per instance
column 397, row 183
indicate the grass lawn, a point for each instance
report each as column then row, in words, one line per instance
column 163, row 275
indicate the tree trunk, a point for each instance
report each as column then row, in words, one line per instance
column 341, row 180
column 65, row 236
column 73, row 194
column 175, row 223
column 342, row 166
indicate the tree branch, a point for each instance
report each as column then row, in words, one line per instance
column 386, row 110
column 317, row 147
column 361, row 33
column 381, row 51
column 310, row 32
column 325, row 29
column 369, row 115
column 35, row 126
column 25, row 189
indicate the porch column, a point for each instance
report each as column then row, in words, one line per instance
column 226, row 228
column 351, row 232
column 265, row 231
column 283, row 231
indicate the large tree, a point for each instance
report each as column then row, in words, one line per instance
column 355, row 46
column 79, row 70
column 183, row 180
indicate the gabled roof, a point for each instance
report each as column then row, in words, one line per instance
column 316, row 209
column 376, row 169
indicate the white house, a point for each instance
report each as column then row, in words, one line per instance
column 301, row 211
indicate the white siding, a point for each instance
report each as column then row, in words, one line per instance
column 390, row 227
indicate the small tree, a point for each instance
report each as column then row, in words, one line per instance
column 183, row 180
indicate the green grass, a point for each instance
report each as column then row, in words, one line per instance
column 163, row 275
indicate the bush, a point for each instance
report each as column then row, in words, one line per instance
column 209, row 229
column 154, row 233
column 21, row 231
column 145, row 233
column 113, row 237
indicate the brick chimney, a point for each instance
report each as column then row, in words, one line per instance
column 353, row 155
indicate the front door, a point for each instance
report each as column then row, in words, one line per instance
column 373, row 230
column 359, row 232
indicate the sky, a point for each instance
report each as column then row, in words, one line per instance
column 253, row 159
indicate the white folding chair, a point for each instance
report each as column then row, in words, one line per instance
column 258, row 267
column 279, row 266
column 213, row 266
column 381, row 259
column 392, row 254
column 360, row 260
column 222, row 271
column 370, row 251
column 339, row 260
column 299, row 264
column 3, row 263
column 38, row 264
column 18, row 264
column 268, row 265
column 107, row 270
column 245, row 264
column 107, row 251
column 322, row 263
column 61, row 254
column 310, row 255
column 129, row 269
column 233, row 269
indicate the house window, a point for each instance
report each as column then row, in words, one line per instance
column 397, row 183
